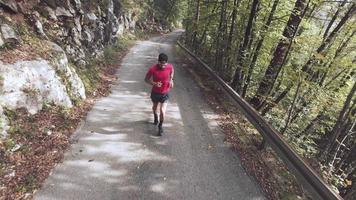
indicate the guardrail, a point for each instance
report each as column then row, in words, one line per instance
column 308, row 178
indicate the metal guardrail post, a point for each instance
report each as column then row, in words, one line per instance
column 308, row 178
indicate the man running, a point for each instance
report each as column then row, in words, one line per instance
column 160, row 76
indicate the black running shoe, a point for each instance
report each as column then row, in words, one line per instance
column 160, row 131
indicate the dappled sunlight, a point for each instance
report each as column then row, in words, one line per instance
column 211, row 119
column 128, row 81
column 159, row 187
column 129, row 188
column 151, row 43
column 97, row 169
column 111, row 129
column 173, row 113
column 94, row 136
column 125, row 152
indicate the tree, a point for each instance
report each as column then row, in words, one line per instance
column 256, row 53
column 239, row 76
column 336, row 131
column 279, row 54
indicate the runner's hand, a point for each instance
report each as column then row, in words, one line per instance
column 157, row 84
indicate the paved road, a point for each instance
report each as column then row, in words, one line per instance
column 115, row 157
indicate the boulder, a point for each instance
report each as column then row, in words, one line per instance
column 78, row 25
column 110, row 6
column 4, row 124
column 27, row 6
column 90, row 18
column 35, row 19
column 87, row 36
column 49, row 13
column 51, row 3
column 76, row 36
column 39, row 28
column 10, row 5
column 61, row 64
column 29, row 83
column 1, row 41
column 9, row 34
column 117, row 8
column 62, row 12
column 78, row 6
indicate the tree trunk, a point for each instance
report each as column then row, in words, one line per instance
column 203, row 36
column 337, row 54
column 220, row 45
column 313, row 122
column 291, row 108
column 237, row 82
column 280, row 53
column 333, row 19
column 340, row 122
column 258, row 48
column 230, row 39
column 196, row 25
column 276, row 101
column 327, row 43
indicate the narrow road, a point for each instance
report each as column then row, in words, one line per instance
column 115, row 157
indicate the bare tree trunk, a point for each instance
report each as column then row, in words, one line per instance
column 291, row 108
column 339, row 123
column 342, row 143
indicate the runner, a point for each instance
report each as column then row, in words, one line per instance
column 160, row 76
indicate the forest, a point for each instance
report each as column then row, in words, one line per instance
column 294, row 62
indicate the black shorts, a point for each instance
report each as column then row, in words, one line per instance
column 157, row 97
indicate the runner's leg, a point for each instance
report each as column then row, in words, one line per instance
column 162, row 114
column 155, row 114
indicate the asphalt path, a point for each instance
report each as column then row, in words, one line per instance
column 116, row 157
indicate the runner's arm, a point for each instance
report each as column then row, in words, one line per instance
column 149, row 78
column 172, row 75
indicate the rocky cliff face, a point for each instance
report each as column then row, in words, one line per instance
column 38, row 40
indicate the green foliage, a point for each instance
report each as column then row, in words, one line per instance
column 90, row 74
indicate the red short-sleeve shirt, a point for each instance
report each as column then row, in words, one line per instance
column 161, row 75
